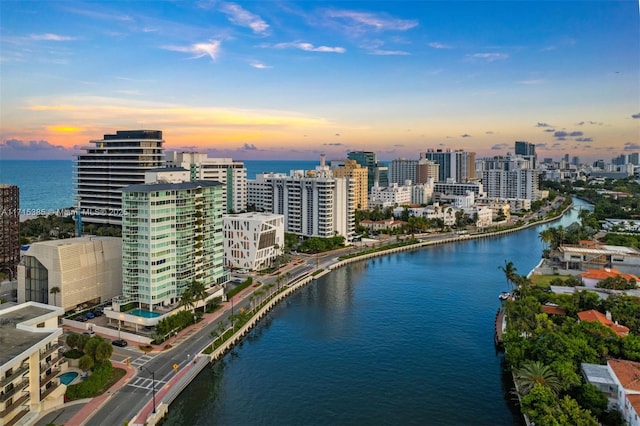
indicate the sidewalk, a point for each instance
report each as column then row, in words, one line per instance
column 94, row 404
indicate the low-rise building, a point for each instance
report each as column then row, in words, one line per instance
column 390, row 196
column 578, row 257
column 71, row 272
column 605, row 319
column 30, row 362
column 592, row 277
column 618, row 380
column 252, row 240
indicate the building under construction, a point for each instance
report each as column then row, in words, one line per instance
column 9, row 230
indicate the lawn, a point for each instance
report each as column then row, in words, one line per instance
column 545, row 280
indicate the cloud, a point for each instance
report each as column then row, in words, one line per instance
column 489, row 132
column 584, row 139
column 631, row 146
column 500, row 146
column 550, row 130
column 574, row 134
column 541, row 124
column 333, row 144
column 437, row 45
column 636, row 115
column 50, row 37
column 382, row 52
column 249, row 147
column 308, row 47
column 260, row 65
column 466, row 135
column 242, row 17
column 489, row 57
column 199, row 50
column 377, row 22
column 533, row 82
column 18, row 149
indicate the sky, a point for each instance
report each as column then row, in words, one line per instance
column 291, row 80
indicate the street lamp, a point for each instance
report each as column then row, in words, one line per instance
column 153, row 386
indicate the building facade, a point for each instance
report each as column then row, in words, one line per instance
column 359, row 175
column 31, row 360
column 71, row 272
column 457, row 165
column 111, row 164
column 402, row 170
column 231, row 174
column 366, row 159
column 519, row 183
column 390, row 196
column 252, row 241
column 9, row 230
column 172, row 236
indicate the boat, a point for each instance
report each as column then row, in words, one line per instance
column 504, row 295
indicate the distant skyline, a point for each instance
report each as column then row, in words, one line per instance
column 291, row 80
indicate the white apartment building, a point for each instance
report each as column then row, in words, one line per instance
column 30, row 362
column 231, row 174
column 456, row 188
column 390, row 196
column 519, row 183
column 515, row 204
column 402, row 170
column 422, row 194
column 252, row 241
column 84, row 270
column 108, row 166
column 172, row 235
column 313, row 203
column 260, row 191
column 434, row 212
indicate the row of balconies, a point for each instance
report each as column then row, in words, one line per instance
column 15, row 404
column 17, row 373
column 17, row 388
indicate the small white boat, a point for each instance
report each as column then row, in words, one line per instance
column 504, row 295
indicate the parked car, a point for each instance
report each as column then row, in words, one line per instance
column 89, row 315
column 97, row 313
column 90, row 332
column 120, row 342
column 80, row 318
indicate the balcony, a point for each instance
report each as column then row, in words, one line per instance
column 20, row 371
column 50, row 376
column 14, row 405
column 23, row 384
column 52, row 349
column 47, row 392
column 44, row 367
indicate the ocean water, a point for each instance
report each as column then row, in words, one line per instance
column 404, row 339
column 47, row 186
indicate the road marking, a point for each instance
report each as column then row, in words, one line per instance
column 145, row 383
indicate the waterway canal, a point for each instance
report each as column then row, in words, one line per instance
column 401, row 339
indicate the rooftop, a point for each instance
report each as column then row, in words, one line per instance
column 627, row 372
column 603, row 274
column 150, row 187
column 602, row 249
column 597, row 373
column 14, row 341
column 595, row 316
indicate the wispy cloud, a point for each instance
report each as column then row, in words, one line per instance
column 382, row 52
column 249, row 147
column 50, row 37
column 533, row 82
column 466, row 135
column 437, row 45
column 500, row 146
column 489, row 57
column 242, row 17
column 636, row 116
column 631, row 146
column 308, row 47
column 542, row 124
column 105, row 16
column 260, row 65
column 199, row 50
column 377, row 22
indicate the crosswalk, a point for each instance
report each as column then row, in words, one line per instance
column 145, row 383
column 140, row 361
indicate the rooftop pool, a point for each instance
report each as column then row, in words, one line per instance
column 144, row 314
column 67, row 378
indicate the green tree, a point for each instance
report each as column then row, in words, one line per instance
column 534, row 372
column 188, row 299
column 103, row 350
column 85, row 363
column 54, row 291
column 91, row 346
column 199, row 292
column 509, row 272
column 73, row 340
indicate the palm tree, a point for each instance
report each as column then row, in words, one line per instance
column 535, row 372
column 187, row 299
column 73, row 340
column 54, row 291
column 509, row 272
column 199, row 292
column 547, row 236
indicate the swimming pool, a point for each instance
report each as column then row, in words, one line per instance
column 144, row 314
column 66, row 378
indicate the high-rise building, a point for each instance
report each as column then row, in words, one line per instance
column 402, row 170
column 425, row 170
column 528, row 151
column 9, row 229
column 457, row 165
column 171, row 236
column 108, row 166
column 231, row 174
column 634, row 158
column 359, row 175
column 366, row 159
column 519, row 183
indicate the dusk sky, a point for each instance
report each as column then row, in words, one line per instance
column 290, row 80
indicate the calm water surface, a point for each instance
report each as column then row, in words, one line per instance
column 401, row 339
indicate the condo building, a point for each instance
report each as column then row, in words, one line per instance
column 109, row 165
column 359, row 174
column 9, row 230
column 402, row 170
column 457, row 165
column 171, row 236
column 253, row 240
column 70, row 272
column 519, row 183
column 31, row 361
column 231, row 174
column 366, row 159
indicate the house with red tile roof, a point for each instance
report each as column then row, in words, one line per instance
column 595, row 316
column 553, row 309
column 594, row 276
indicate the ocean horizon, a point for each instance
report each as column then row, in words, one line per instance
column 47, row 187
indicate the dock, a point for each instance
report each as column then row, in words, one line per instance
column 499, row 327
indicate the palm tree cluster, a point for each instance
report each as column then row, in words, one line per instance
column 195, row 292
